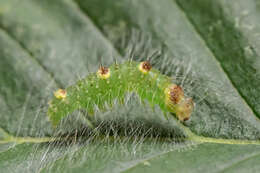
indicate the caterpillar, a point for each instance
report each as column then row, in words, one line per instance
column 100, row 90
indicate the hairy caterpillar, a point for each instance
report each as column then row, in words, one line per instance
column 102, row 88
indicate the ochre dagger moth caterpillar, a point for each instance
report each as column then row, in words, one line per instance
column 102, row 88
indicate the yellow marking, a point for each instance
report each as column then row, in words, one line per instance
column 103, row 75
column 140, row 67
column 60, row 94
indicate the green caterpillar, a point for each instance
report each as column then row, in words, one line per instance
column 102, row 88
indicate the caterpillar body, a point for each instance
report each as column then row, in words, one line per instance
column 107, row 84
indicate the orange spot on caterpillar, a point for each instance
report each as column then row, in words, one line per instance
column 103, row 72
column 186, row 118
column 174, row 93
column 60, row 94
column 176, row 102
column 145, row 67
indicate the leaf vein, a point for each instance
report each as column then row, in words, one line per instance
column 238, row 162
column 31, row 55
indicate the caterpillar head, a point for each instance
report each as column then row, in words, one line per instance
column 184, row 109
column 177, row 103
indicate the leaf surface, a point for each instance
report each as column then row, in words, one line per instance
column 211, row 47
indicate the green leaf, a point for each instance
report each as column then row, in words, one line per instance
column 211, row 47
